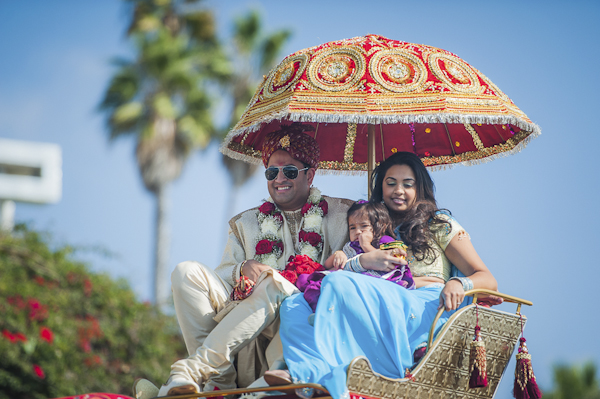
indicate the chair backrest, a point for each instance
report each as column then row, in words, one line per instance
column 444, row 370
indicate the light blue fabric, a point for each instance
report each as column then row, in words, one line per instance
column 356, row 315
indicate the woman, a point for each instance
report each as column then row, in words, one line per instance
column 362, row 316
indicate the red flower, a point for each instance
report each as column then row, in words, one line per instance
column 17, row 301
column 20, row 337
column 85, row 345
column 72, row 277
column 38, row 371
column 87, row 287
column 37, row 311
column 8, row 335
column 46, row 334
column 324, row 206
column 304, row 268
column 313, row 239
column 267, row 208
column 306, row 207
column 93, row 360
column 279, row 245
column 264, row 247
column 34, row 304
column 39, row 280
column 302, row 264
column 278, row 216
column 289, row 275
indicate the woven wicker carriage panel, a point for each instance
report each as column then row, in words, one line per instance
column 444, row 371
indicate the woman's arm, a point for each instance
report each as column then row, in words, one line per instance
column 462, row 254
column 383, row 260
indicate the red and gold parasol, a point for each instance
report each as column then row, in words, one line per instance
column 370, row 96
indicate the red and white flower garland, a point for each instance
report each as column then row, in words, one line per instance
column 269, row 246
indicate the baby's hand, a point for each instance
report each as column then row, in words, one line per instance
column 364, row 239
column 339, row 260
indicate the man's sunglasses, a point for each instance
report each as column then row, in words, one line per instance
column 289, row 171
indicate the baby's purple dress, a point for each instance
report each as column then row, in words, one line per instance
column 310, row 284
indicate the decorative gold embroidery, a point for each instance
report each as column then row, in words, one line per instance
column 454, row 67
column 285, row 141
column 398, row 71
column 336, row 69
column 294, row 219
column 284, row 75
column 350, row 139
column 476, row 138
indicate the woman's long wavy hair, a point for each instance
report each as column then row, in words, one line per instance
column 416, row 222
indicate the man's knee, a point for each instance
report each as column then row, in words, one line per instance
column 184, row 272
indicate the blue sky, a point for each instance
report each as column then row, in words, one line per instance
column 532, row 216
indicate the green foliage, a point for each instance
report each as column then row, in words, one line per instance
column 574, row 382
column 66, row 331
column 160, row 95
column 255, row 53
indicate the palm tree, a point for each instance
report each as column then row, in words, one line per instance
column 575, row 382
column 254, row 55
column 160, row 98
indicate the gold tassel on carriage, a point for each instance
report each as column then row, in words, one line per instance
column 526, row 386
column 477, row 358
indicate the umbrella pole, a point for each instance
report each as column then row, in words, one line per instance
column 371, row 154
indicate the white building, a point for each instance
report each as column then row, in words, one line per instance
column 29, row 172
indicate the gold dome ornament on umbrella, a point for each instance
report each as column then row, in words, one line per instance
column 369, row 97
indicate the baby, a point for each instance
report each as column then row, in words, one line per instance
column 370, row 228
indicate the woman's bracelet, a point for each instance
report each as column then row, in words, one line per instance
column 354, row 265
column 466, row 282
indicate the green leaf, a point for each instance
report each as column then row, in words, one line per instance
column 127, row 113
column 163, row 106
column 29, row 347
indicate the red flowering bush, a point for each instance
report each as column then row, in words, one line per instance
column 66, row 331
column 299, row 264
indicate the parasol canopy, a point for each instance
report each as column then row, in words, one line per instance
column 375, row 95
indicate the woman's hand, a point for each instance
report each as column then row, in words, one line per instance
column 382, row 260
column 252, row 269
column 452, row 295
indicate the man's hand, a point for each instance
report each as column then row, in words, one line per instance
column 383, row 260
column 339, row 260
column 252, row 269
column 452, row 295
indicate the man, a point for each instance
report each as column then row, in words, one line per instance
column 261, row 240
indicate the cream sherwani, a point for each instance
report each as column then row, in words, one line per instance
column 201, row 293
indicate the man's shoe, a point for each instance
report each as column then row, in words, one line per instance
column 178, row 386
column 278, row 377
column 144, row 389
column 182, row 390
